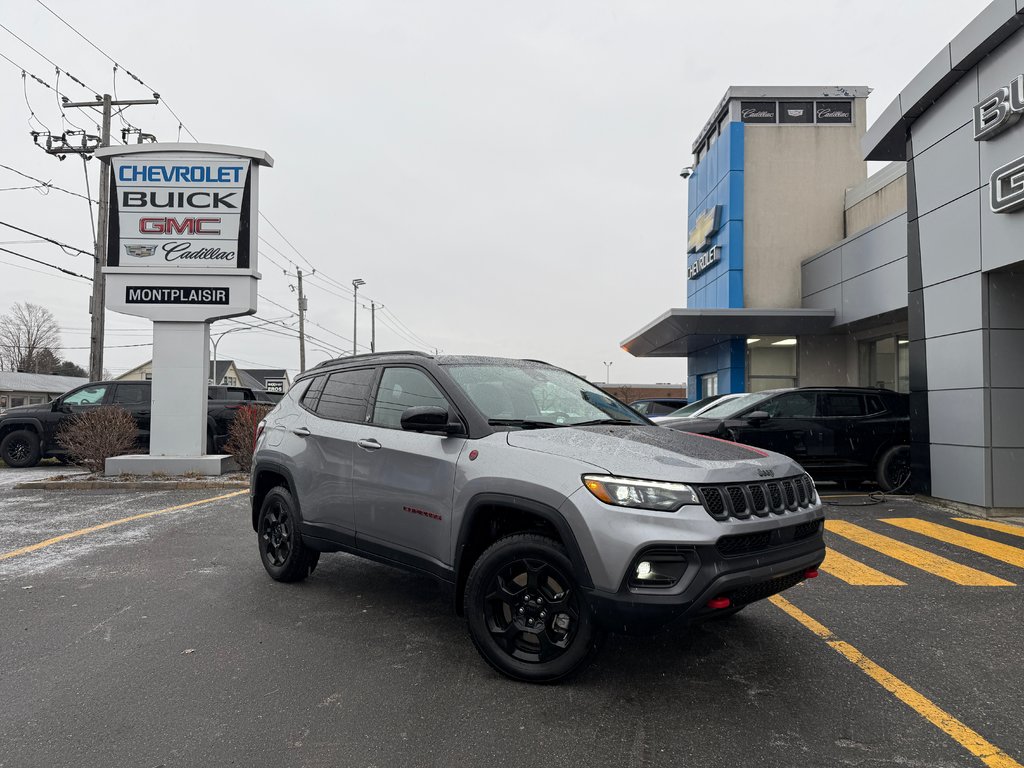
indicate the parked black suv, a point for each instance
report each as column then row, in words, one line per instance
column 847, row 434
column 28, row 433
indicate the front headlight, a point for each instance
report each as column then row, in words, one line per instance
column 640, row 494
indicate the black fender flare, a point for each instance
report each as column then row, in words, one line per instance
column 13, row 425
column 541, row 510
column 275, row 468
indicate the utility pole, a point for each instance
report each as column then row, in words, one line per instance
column 98, row 304
column 302, row 324
column 373, row 327
column 355, row 311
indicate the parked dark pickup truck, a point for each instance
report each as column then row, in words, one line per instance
column 28, row 433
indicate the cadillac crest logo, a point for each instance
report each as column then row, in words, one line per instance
column 140, row 251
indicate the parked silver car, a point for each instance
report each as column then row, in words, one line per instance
column 554, row 511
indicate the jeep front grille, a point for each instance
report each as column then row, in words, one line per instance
column 758, row 499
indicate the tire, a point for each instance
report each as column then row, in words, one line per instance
column 893, row 470
column 283, row 554
column 20, row 449
column 526, row 614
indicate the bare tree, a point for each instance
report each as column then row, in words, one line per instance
column 25, row 333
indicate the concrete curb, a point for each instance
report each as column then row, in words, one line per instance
column 132, row 485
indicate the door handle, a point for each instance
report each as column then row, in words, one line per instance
column 369, row 445
column 301, row 432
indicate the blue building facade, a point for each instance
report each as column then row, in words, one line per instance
column 715, row 264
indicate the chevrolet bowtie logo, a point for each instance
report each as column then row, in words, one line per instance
column 703, row 228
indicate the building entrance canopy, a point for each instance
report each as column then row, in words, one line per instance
column 681, row 332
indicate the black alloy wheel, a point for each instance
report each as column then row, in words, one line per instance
column 894, row 469
column 20, row 449
column 526, row 614
column 282, row 551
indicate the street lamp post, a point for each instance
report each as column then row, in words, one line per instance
column 607, row 369
column 213, row 373
column 355, row 311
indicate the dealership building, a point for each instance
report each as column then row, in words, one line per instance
column 802, row 270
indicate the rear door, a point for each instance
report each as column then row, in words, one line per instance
column 136, row 397
column 330, row 432
column 404, row 481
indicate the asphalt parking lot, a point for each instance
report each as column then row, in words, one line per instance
column 158, row 640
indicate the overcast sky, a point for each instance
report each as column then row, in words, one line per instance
column 504, row 176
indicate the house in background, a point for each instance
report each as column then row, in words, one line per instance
column 33, row 388
column 227, row 374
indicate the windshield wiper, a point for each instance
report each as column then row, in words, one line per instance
column 524, row 423
column 595, row 422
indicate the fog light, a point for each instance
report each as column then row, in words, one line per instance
column 658, row 567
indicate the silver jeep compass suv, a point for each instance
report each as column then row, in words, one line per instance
column 554, row 511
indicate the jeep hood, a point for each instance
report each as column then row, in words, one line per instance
column 656, row 453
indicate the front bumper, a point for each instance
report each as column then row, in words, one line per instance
column 743, row 580
column 742, row 559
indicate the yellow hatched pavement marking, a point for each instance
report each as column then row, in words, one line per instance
column 111, row 524
column 967, row 738
column 993, row 549
column 855, row 572
column 919, row 558
column 992, row 525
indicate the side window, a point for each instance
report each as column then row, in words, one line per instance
column 88, row 396
column 345, row 395
column 845, row 405
column 312, row 393
column 875, row 404
column 131, row 394
column 402, row 388
column 792, row 405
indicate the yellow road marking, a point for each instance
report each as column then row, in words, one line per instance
column 855, row 572
column 992, row 525
column 993, row 549
column 111, row 524
column 967, row 738
column 919, row 558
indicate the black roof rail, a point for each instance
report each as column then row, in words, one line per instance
column 395, row 353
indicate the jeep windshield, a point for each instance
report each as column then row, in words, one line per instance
column 536, row 396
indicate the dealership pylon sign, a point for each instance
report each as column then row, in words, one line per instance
column 181, row 251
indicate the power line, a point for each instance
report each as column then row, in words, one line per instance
column 132, row 75
column 12, row 265
column 45, row 264
column 58, row 243
column 48, row 59
column 47, row 184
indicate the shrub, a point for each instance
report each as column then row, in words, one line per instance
column 242, row 434
column 92, row 437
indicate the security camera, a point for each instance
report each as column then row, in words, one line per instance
column 685, row 173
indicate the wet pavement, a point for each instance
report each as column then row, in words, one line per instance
column 160, row 641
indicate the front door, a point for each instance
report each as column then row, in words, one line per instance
column 791, row 428
column 404, row 482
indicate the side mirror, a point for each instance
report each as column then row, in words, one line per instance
column 757, row 417
column 429, row 418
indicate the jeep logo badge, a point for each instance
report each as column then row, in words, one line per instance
column 766, row 473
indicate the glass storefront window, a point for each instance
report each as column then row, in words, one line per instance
column 771, row 362
column 885, row 363
column 709, row 384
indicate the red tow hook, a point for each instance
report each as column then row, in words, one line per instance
column 717, row 603
column 811, row 573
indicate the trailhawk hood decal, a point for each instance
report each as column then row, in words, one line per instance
column 656, row 453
